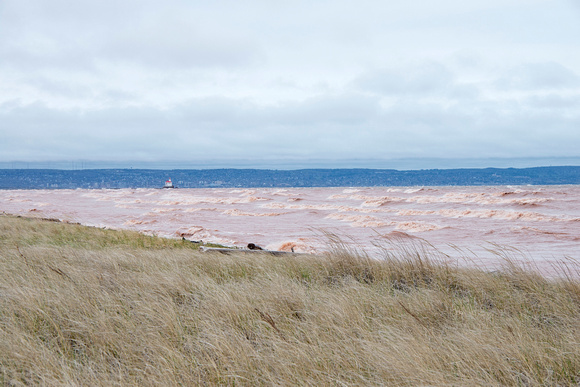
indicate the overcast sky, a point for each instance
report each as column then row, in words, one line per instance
column 185, row 80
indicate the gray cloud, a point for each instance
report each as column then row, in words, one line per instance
column 534, row 76
column 424, row 79
column 188, row 80
column 224, row 128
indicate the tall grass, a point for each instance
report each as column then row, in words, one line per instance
column 84, row 306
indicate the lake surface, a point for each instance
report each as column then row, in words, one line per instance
column 539, row 222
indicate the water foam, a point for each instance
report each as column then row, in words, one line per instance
column 236, row 212
column 417, row 226
column 359, row 220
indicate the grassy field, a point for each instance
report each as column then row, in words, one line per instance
column 86, row 306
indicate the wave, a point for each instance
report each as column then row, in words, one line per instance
column 399, row 235
column 242, row 191
column 236, row 212
column 136, row 222
column 529, row 216
column 338, row 197
column 539, row 231
column 477, row 198
column 297, row 246
column 483, row 198
column 18, row 200
column 506, row 193
column 415, row 212
column 194, row 200
column 378, row 202
column 417, row 226
column 124, row 206
column 359, row 220
column 520, row 191
column 369, row 201
column 487, row 214
column 500, row 214
column 282, row 192
column 168, row 203
column 530, row 202
column 164, row 210
column 201, row 209
column 319, row 207
column 195, row 231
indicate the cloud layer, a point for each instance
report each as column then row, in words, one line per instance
column 182, row 80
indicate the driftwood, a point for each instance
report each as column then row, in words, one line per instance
column 224, row 250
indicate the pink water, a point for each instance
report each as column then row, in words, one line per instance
column 542, row 222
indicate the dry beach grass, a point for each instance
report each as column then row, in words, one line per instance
column 85, row 306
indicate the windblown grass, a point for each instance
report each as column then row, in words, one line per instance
column 84, row 306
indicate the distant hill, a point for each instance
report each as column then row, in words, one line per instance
column 230, row 178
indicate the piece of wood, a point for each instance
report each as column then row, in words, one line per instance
column 245, row 251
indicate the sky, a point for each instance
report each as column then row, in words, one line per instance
column 262, row 82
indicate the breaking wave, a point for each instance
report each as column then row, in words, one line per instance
column 135, row 222
column 301, row 245
column 193, row 232
column 236, row 212
column 359, row 220
column 417, row 226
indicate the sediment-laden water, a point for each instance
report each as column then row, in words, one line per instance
column 540, row 222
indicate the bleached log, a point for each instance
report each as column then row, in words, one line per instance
column 244, row 251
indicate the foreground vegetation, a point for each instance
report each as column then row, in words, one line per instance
column 85, row 306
